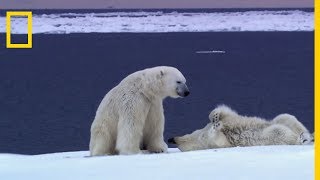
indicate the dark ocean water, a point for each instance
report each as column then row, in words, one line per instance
column 49, row 94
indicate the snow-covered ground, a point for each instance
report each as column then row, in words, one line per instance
column 241, row 163
column 282, row 20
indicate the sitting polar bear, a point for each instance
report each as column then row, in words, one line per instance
column 130, row 116
column 229, row 129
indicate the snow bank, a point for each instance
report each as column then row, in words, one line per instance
column 241, row 163
column 284, row 20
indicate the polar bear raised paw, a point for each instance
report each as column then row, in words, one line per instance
column 215, row 117
column 220, row 113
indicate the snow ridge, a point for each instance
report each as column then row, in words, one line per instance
column 241, row 163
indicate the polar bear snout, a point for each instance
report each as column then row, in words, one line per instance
column 183, row 90
column 172, row 141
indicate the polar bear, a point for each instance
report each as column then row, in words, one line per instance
column 229, row 129
column 130, row 115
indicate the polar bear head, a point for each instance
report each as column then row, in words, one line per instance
column 208, row 137
column 166, row 81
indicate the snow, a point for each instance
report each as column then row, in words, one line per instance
column 267, row 20
column 241, row 163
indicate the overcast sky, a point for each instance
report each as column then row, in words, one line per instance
column 101, row 4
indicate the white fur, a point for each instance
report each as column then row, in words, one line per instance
column 229, row 129
column 130, row 116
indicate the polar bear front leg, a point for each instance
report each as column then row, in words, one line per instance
column 130, row 129
column 153, row 130
column 129, row 136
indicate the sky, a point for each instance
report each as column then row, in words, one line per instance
column 102, row 4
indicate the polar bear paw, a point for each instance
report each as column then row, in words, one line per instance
column 160, row 148
column 221, row 112
column 215, row 118
column 216, row 126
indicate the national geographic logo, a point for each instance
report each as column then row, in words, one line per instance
column 28, row 15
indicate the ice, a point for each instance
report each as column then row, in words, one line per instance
column 267, row 20
column 241, row 163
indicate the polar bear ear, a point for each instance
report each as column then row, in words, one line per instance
column 160, row 75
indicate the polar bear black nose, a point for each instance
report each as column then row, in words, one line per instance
column 182, row 90
column 186, row 93
column 171, row 141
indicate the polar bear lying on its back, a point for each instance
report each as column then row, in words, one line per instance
column 131, row 117
column 229, row 129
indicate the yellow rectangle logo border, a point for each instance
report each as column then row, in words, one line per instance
column 317, row 86
column 28, row 14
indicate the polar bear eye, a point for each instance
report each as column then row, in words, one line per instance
column 178, row 82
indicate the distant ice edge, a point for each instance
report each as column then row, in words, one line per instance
column 65, row 23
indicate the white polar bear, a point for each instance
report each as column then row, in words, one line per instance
column 229, row 129
column 130, row 116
